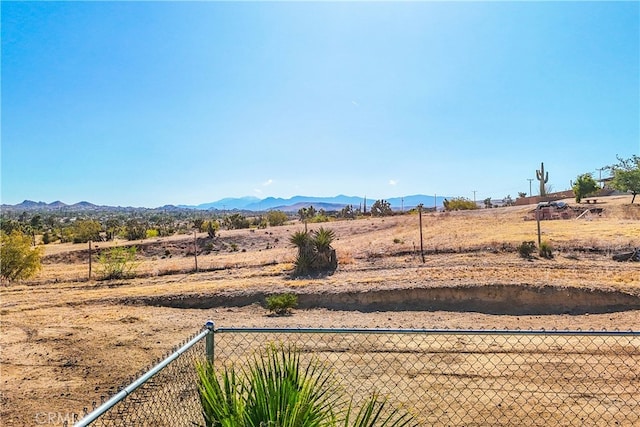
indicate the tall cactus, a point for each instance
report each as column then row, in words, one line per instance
column 543, row 178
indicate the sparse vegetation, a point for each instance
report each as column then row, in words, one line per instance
column 525, row 249
column 460, row 247
column 282, row 304
column 117, row 263
column 545, row 250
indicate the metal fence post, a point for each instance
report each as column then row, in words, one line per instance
column 209, row 340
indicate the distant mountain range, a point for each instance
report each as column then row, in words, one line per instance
column 292, row 204
column 326, row 203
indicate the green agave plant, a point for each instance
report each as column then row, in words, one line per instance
column 278, row 390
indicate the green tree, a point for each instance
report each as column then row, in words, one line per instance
column 584, row 185
column 135, row 229
column 9, row 225
column 19, row 260
column 36, row 223
column 626, row 175
column 381, row 208
column 276, row 218
column 112, row 227
column 86, row 229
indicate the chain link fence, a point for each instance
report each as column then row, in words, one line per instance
column 442, row 377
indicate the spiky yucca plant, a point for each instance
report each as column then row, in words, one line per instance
column 314, row 251
column 277, row 389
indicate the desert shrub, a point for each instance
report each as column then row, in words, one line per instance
column 459, row 203
column 19, row 260
column 525, row 249
column 152, row 233
column 282, row 304
column 278, row 389
column 276, row 218
column 117, row 263
column 545, row 250
column 319, row 218
column 236, row 221
column 48, row 237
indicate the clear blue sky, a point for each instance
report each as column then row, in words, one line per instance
column 153, row 103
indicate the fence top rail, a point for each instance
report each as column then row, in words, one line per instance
column 567, row 332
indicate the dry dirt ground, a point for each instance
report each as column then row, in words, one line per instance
column 67, row 340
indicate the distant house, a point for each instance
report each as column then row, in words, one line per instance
column 605, row 182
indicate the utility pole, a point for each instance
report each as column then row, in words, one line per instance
column 474, row 195
column 530, row 180
column 420, row 222
column 600, row 177
column 195, row 247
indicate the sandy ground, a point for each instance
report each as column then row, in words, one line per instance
column 66, row 343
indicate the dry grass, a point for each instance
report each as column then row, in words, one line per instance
column 67, row 340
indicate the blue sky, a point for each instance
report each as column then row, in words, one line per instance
column 153, row 103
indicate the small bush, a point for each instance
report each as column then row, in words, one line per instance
column 282, row 304
column 545, row 250
column 459, row 204
column 526, row 249
column 117, row 263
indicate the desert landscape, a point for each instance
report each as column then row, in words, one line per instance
column 68, row 340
